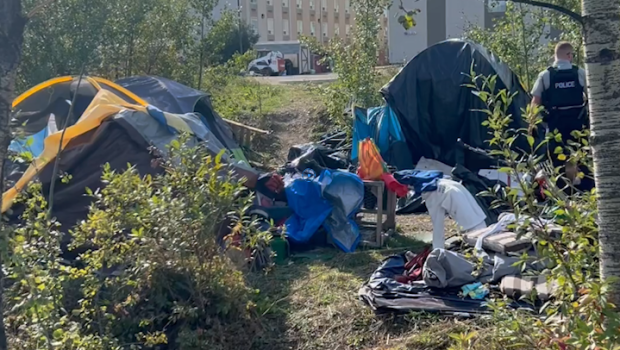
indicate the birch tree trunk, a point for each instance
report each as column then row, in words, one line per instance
column 12, row 24
column 602, row 40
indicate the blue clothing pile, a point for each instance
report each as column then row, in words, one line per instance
column 331, row 201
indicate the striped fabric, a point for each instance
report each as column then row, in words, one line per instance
column 503, row 242
column 518, row 287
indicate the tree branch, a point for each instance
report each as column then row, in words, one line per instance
column 563, row 10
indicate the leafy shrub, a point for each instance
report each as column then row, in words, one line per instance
column 158, row 274
column 235, row 96
column 580, row 315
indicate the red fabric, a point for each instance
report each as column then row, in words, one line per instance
column 275, row 183
column 393, row 185
column 414, row 267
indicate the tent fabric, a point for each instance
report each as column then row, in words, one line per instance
column 33, row 144
column 31, row 110
column 163, row 93
column 435, row 109
column 105, row 105
column 114, row 142
column 173, row 97
column 381, row 124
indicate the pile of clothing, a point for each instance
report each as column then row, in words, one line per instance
column 446, row 281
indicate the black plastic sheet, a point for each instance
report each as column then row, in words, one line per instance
column 435, row 109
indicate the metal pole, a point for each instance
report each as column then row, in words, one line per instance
column 240, row 33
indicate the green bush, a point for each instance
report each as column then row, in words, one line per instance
column 579, row 316
column 236, row 97
column 158, row 274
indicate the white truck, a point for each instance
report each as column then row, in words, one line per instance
column 268, row 63
column 295, row 55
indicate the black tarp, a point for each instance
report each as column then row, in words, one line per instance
column 384, row 294
column 435, row 109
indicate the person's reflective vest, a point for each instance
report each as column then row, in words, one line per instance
column 564, row 101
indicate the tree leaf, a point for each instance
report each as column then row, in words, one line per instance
column 530, row 140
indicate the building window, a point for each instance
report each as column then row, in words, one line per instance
column 324, row 5
column 285, row 26
column 347, row 6
column 284, row 3
column 300, row 27
column 312, row 28
column 348, row 29
column 336, row 7
column 252, row 1
column 270, row 26
column 254, row 25
column 299, row 4
column 325, row 29
column 312, row 4
column 337, row 30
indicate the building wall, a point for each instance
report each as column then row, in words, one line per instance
column 460, row 14
column 261, row 13
column 403, row 45
column 437, row 21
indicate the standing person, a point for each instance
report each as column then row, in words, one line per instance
column 561, row 89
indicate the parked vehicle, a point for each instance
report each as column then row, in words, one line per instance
column 297, row 57
column 268, row 63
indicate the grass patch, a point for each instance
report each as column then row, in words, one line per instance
column 312, row 303
column 246, row 99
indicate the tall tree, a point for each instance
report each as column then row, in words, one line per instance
column 228, row 36
column 600, row 20
column 12, row 24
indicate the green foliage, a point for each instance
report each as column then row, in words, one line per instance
column 517, row 38
column 237, row 97
column 156, row 275
column 228, row 37
column 580, row 314
column 113, row 39
column 354, row 61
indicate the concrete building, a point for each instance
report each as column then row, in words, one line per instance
column 437, row 21
column 287, row 20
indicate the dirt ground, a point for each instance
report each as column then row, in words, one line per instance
column 311, row 302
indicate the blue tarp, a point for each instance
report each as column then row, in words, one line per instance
column 381, row 124
column 32, row 143
column 331, row 201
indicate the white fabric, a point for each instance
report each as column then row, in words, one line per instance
column 453, row 199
